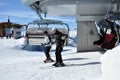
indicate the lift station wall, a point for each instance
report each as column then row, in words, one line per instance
column 86, row 34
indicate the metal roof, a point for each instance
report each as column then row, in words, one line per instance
column 70, row 7
column 9, row 24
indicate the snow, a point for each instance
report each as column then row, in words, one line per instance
column 111, row 64
column 19, row 64
column 73, row 37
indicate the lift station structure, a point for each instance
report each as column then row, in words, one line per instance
column 85, row 11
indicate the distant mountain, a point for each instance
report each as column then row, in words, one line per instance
column 73, row 37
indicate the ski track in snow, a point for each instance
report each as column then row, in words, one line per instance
column 27, row 65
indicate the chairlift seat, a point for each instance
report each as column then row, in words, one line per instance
column 108, row 42
column 35, row 36
column 108, row 37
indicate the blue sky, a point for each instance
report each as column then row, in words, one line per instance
column 19, row 13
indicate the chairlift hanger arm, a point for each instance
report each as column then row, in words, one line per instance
column 67, row 27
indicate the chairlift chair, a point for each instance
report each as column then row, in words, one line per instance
column 35, row 36
column 107, row 40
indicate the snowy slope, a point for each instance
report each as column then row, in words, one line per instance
column 111, row 64
column 19, row 64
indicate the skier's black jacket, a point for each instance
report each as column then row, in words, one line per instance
column 59, row 38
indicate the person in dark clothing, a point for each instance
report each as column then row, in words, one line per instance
column 59, row 40
column 47, row 44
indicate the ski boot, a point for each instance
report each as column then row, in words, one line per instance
column 58, row 64
column 48, row 60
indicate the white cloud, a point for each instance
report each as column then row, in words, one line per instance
column 2, row 4
column 22, row 14
column 33, row 15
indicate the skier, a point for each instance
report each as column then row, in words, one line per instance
column 47, row 44
column 59, row 47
